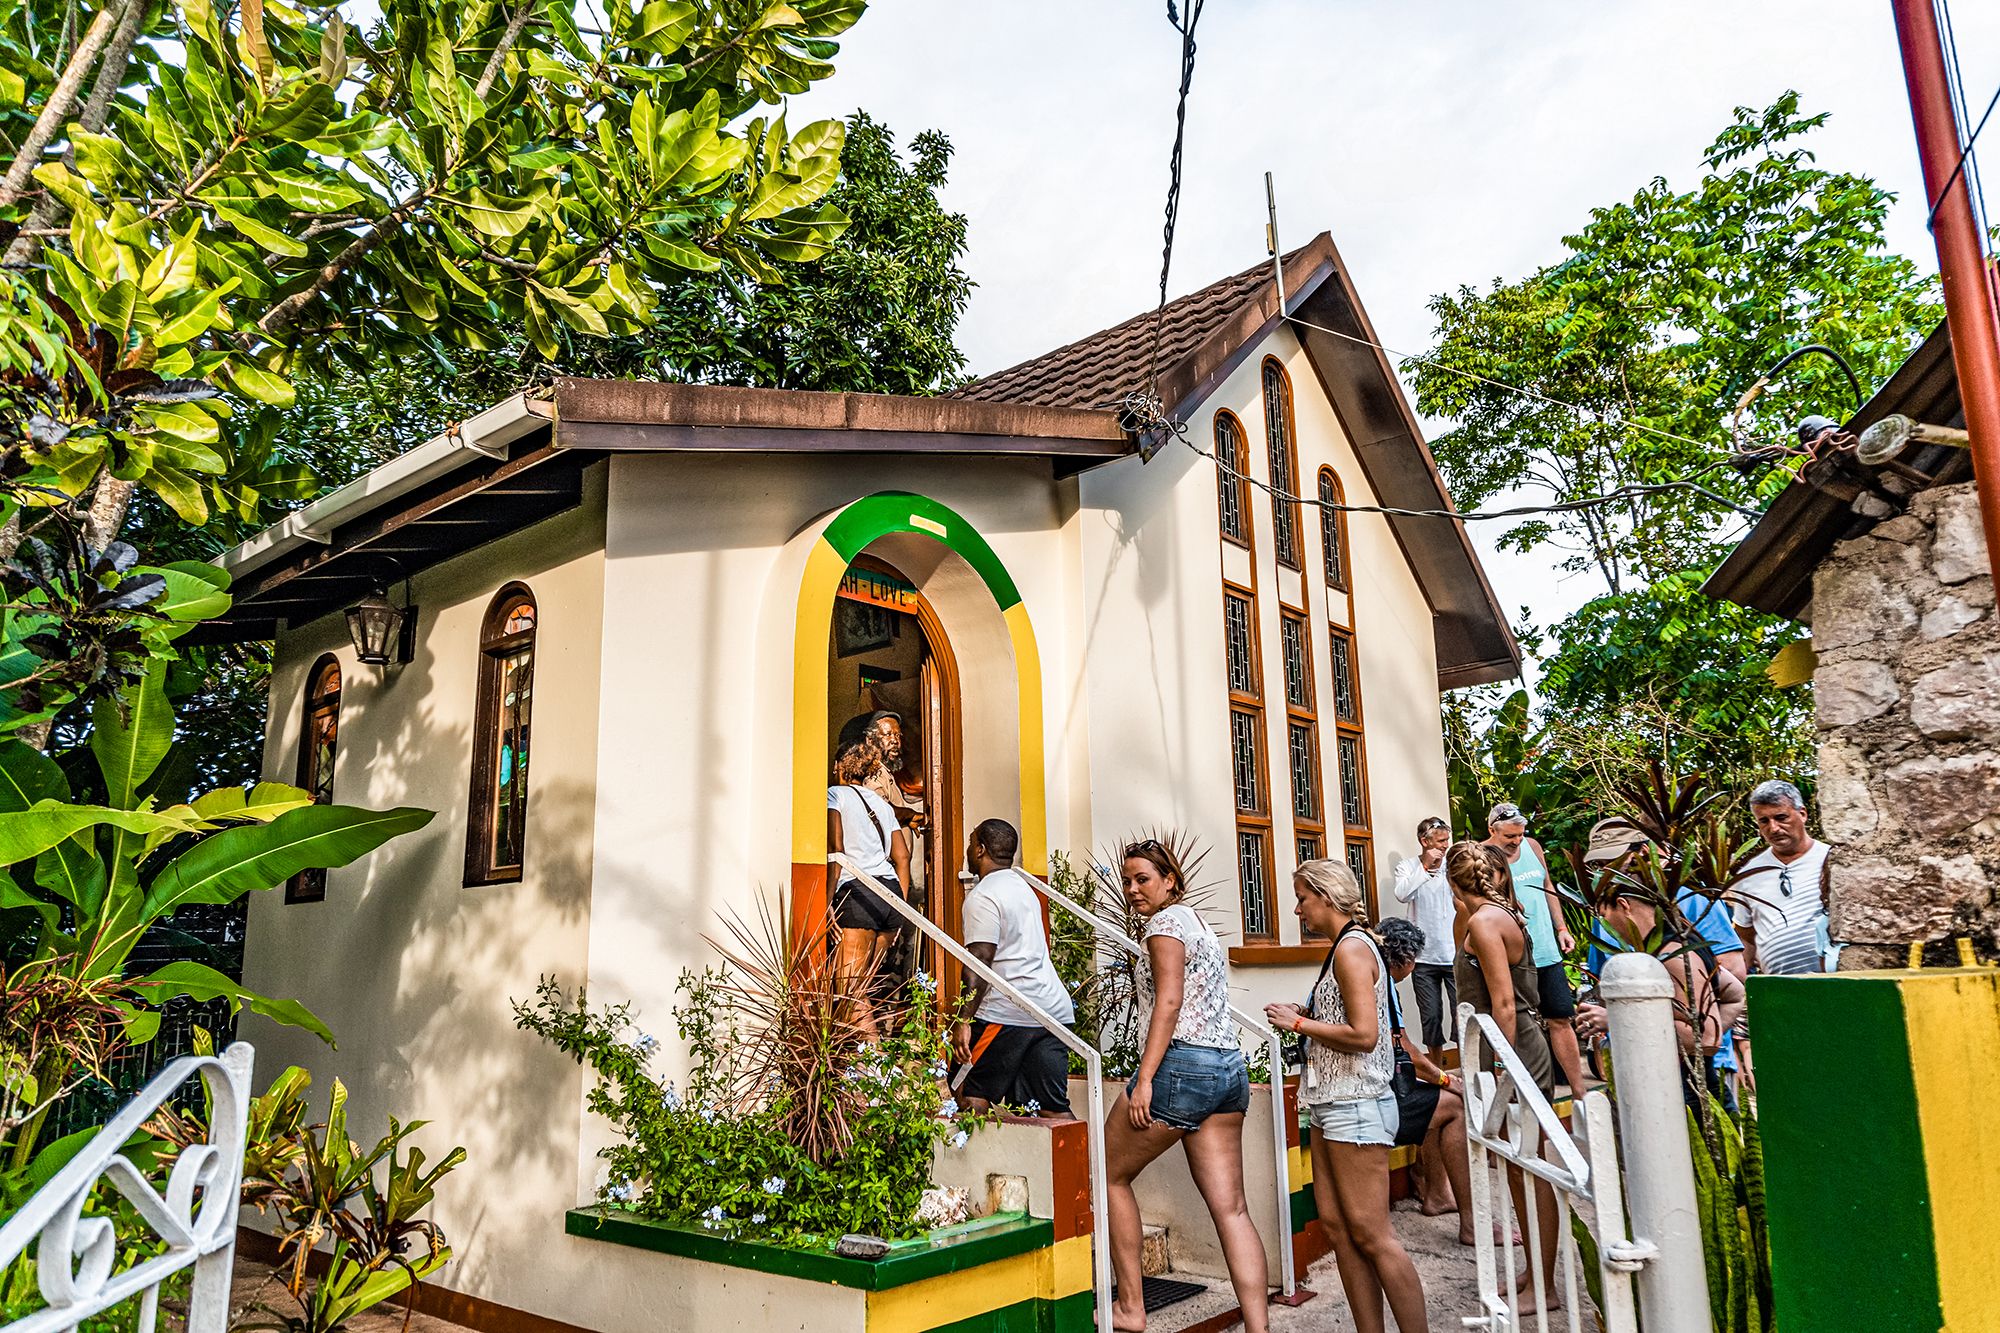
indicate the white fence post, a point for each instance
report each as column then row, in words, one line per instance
column 1652, row 1127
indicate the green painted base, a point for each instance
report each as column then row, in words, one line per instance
column 1071, row 1314
column 960, row 1248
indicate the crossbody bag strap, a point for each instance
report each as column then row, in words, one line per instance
column 861, row 795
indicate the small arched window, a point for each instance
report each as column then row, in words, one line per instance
column 497, row 830
column 1333, row 529
column 319, row 739
column 1232, row 492
column 1278, row 438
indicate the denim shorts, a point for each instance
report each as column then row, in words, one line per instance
column 1372, row 1122
column 1196, row 1082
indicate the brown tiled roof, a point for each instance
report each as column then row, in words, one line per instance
column 1099, row 371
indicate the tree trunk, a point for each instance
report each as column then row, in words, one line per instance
column 49, row 211
column 108, row 504
column 61, row 98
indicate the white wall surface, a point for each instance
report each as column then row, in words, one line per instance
column 414, row 971
column 1151, row 656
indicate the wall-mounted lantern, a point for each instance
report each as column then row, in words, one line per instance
column 382, row 632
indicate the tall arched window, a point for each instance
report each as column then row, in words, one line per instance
column 1233, row 492
column 1333, row 529
column 1278, row 438
column 497, row 831
column 319, row 738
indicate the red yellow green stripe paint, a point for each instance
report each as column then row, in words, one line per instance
column 847, row 534
column 1876, row 1093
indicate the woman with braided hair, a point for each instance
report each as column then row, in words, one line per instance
column 1496, row 975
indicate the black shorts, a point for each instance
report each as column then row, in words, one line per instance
column 1024, row 1069
column 1558, row 1000
column 857, row 907
column 1416, row 1104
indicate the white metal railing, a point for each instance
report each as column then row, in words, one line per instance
column 1655, row 1266
column 1274, row 1051
column 196, row 1217
column 1100, row 1222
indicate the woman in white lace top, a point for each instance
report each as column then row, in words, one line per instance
column 1191, row 1088
column 1346, row 1088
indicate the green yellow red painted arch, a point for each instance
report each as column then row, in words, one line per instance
column 849, row 533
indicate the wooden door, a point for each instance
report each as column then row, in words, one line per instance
column 943, row 843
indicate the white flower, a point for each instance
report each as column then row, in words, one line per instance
column 925, row 982
column 622, row 1192
column 1032, row 1107
column 949, row 1109
column 958, row 1140
column 756, row 1219
column 774, row 1184
column 645, row 1044
column 939, row 1070
column 672, row 1098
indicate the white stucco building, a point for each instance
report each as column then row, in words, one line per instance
column 645, row 609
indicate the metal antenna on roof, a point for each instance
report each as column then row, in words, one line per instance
column 1271, row 241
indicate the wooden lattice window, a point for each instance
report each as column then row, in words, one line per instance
column 497, row 829
column 1333, row 530
column 319, row 741
column 1249, row 769
column 1284, row 459
column 1351, row 759
column 1232, row 492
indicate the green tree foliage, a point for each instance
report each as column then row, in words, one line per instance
column 1654, row 320
column 1659, row 314
column 263, row 189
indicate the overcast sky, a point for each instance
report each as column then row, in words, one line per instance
column 1440, row 141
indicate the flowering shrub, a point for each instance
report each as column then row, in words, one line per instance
column 730, row 1152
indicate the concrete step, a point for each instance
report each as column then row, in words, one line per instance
column 1155, row 1260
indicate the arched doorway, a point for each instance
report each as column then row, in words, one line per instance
column 990, row 703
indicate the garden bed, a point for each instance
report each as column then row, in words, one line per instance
column 1005, row 1273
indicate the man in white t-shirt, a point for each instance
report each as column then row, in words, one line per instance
column 1013, row 1061
column 1779, row 905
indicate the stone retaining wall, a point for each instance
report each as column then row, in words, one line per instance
column 1908, row 699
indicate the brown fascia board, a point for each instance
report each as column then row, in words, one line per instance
column 644, row 403
column 1473, row 637
column 1771, row 569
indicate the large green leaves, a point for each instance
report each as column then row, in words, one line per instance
column 237, row 861
column 202, row 983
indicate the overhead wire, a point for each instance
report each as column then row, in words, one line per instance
column 1968, row 159
column 1144, row 412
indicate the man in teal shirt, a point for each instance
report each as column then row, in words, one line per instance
column 1548, row 935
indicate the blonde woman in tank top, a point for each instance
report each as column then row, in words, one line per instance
column 1349, row 1065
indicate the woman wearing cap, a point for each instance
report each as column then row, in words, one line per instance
column 1347, row 1090
column 1497, row 977
column 1541, row 910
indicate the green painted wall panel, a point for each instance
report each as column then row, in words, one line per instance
column 1846, row 1184
column 1071, row 1314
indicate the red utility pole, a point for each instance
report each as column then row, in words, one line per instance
column 1968, row 294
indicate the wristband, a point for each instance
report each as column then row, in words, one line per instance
column 1298, row 1025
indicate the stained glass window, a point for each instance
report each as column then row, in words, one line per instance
column 1298, row 671
column 1245, row 755
column 1305, row 772
column 1333, row 529
column 1362, row 864
column 1353, row 789
column 319, row 741
column 1253, row 868
column 1232, row 492
column 1239, row 633
column 1346, row 705
column 1284, row 465
column 497, row 845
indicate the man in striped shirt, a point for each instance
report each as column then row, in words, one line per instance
column 1779, row 904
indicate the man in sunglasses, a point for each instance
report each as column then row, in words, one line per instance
column 1780, row 902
